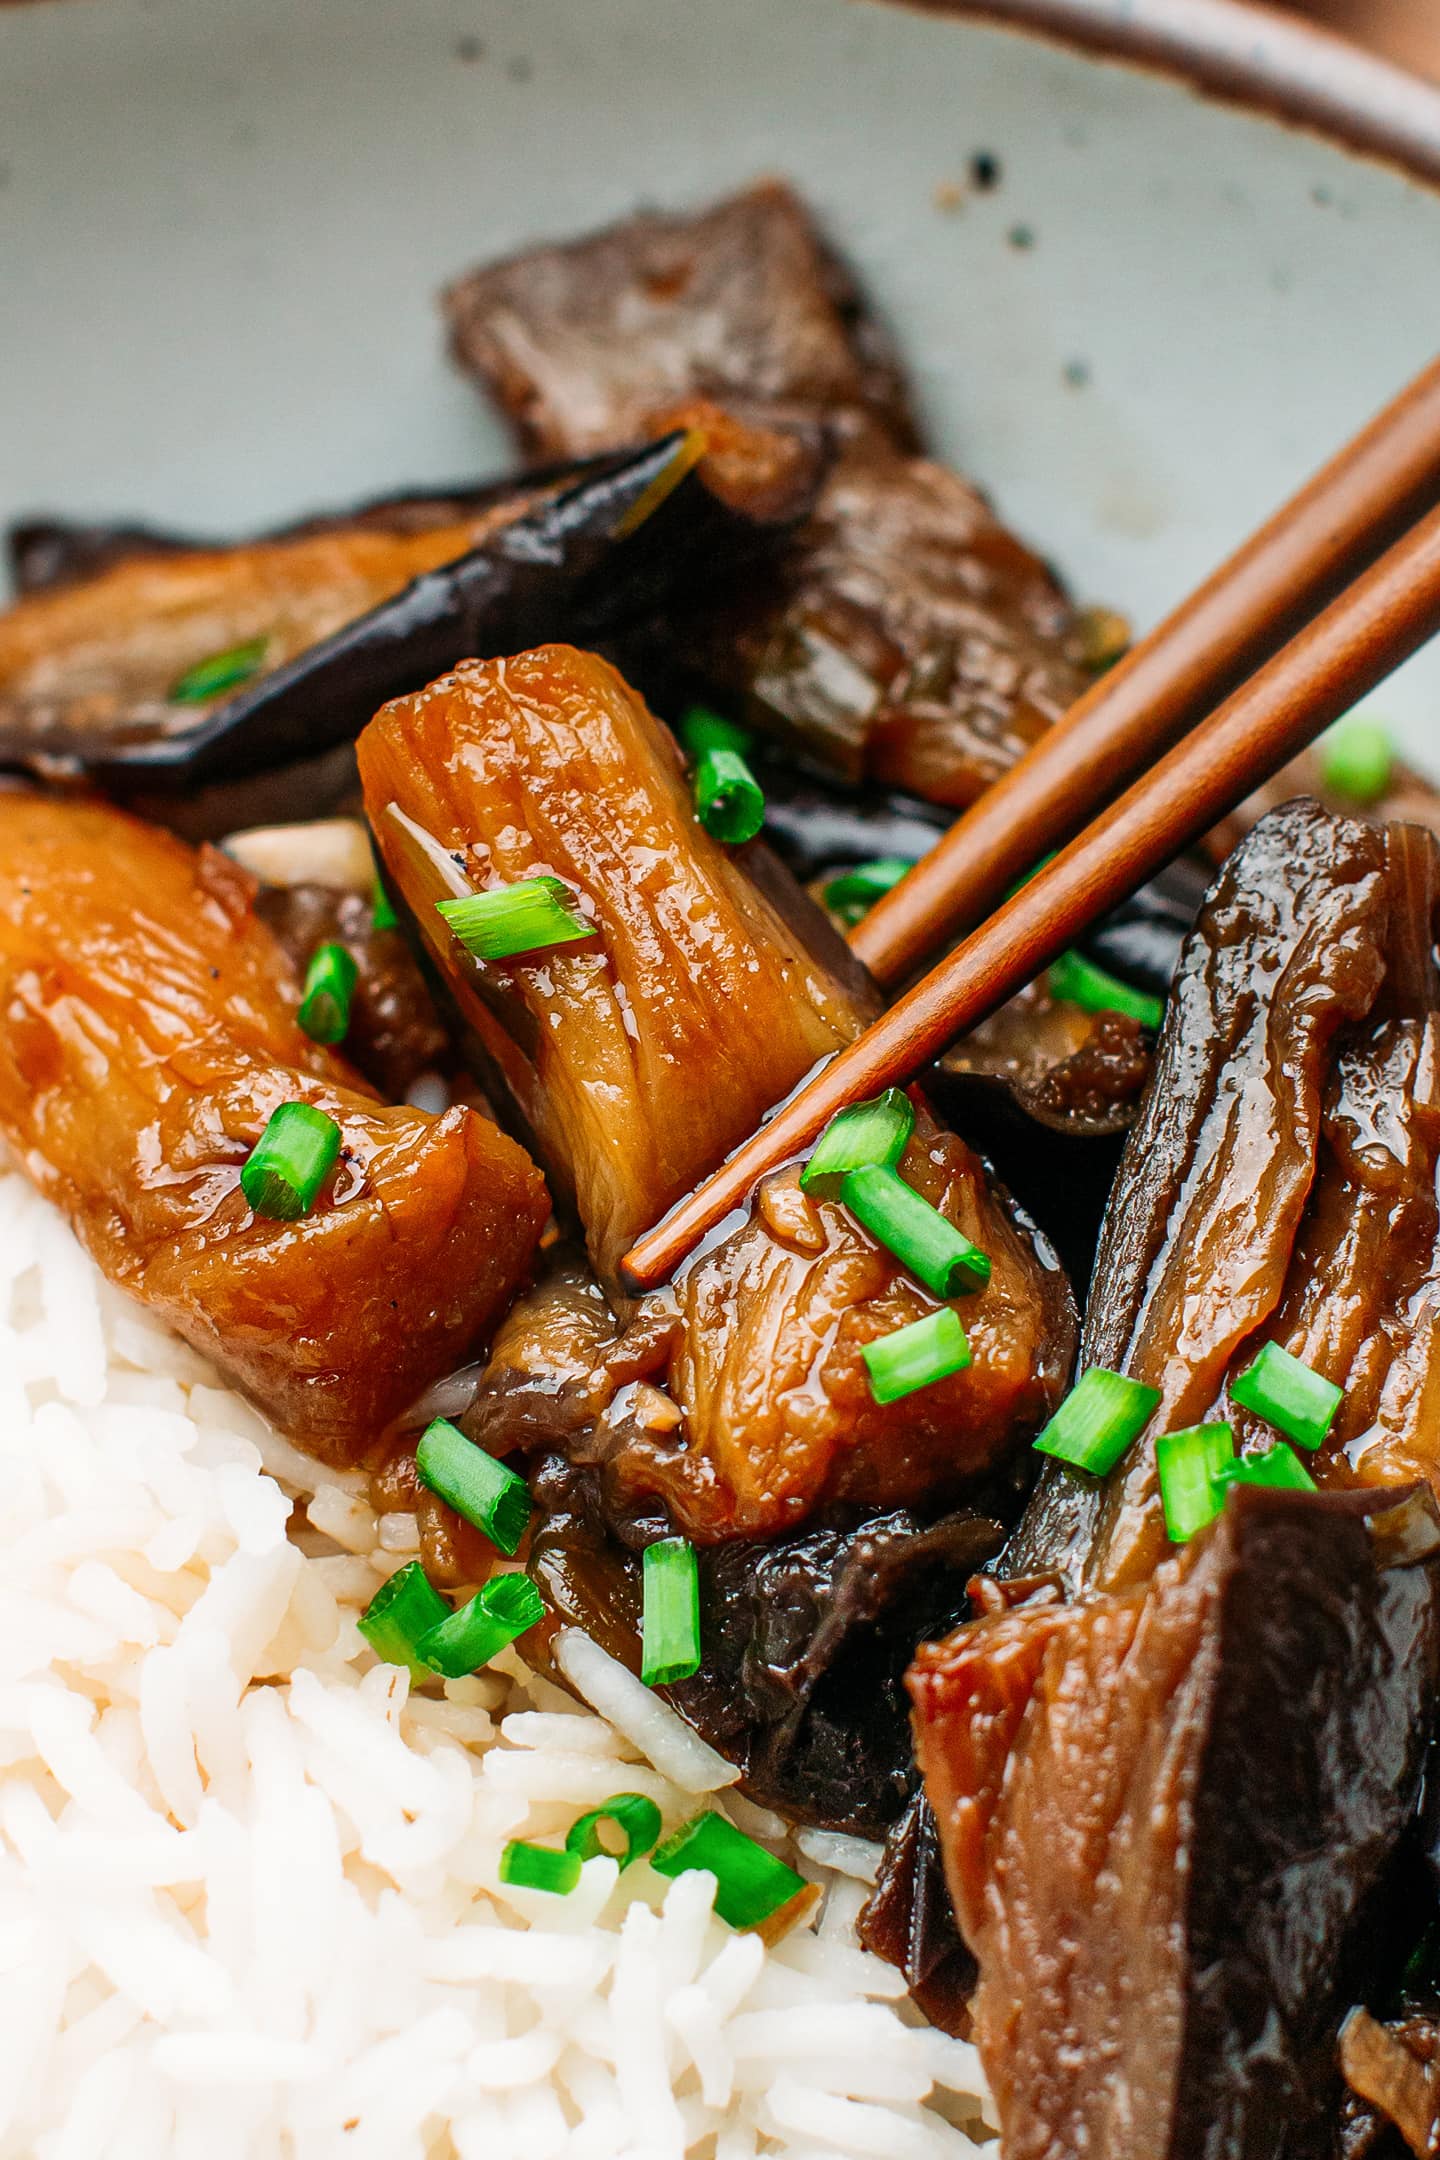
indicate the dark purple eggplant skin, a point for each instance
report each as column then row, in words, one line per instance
column 821, row 828
column 805, row 1638
column 1333, row 1656
column 1246, row 1757
column 581, row 564
column 909, row 1921
column 1288, row 950
column 47, row 553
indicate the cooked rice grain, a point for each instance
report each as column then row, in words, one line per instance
column 250, row 1905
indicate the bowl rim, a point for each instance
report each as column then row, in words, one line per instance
column 1249, row 55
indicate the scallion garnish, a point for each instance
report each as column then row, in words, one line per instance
column 636, row 1818
column 290, row 1161
column 729, row 801
column 329, row 986
column 221, row 672
column 1277, row 1465
column 401, row 1611
column 701, row 730
column 1357, row 759
column 539, row 1867
column 1074, row 980
column 1192, row 1467
column 852, row 895
column 916, row 1356
column 382, row 908
column 920, row 1237
column 487, row 1493
column 670, row 1634
column 751, row 1885
column 1289, row 1395
column 469, row 1638
column 1097, row 1421
column 514, row 919
column 865, row 1133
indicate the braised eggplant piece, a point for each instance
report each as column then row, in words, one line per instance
column 905, row 636
column 137, row 677
column 395, row 1034
column 1167, row 1813
column 109, row 656
column 640, row 1056
column 583, row 343
column 47, row 553
column 1392, row 2076
column 147, row 1033
column 1075, row 1071
column 805, row 1638
column 1289, row 951
column 1280, row 1185
column 910, row 1922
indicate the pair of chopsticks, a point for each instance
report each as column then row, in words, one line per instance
column 1360, row 543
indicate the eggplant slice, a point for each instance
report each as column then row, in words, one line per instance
column 1168, row 1814
column 107, row 678
column 147, row 1033
column 906, row 637
column 638, row 1058
column 1131, row 1865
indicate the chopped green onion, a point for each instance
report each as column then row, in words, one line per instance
column 921, row 1238
column 1077, row 981
column 382, row 908
column 1278, row 1465
column 538, row 1867
column 852, row 895
column 867, row 1132
column 515, row 919
column 401, row 1611
column 487, row 1493
column 290, row 1161
column 1097, row 1421
column 1193, row 1467
column 729, row 801
column 1105, row 637
column 751, row 1885
column 635, row 1817
column 916, row 1356
column 329, row 986
column 467, row 1639
column 1289, row 1395
column 670, row 1645
column 222, row 671
column 1357, row 759
column 701, row 730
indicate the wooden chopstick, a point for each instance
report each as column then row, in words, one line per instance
column 1379, row 621
column 1356, row 505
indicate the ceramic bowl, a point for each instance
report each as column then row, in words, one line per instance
column 222, row 230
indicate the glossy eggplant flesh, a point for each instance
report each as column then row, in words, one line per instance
column 47, row 553
column 905, row 636
column 103, row 656
column 805, row 1638
column 1245, row 1161
column 639, row 1058
column 1391, row 2104
column 189, row 669
column 1168, row 1812
column 148, row 1032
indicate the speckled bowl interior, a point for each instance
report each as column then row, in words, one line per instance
column 222, row 229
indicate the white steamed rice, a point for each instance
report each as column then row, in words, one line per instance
column 249, row 1902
